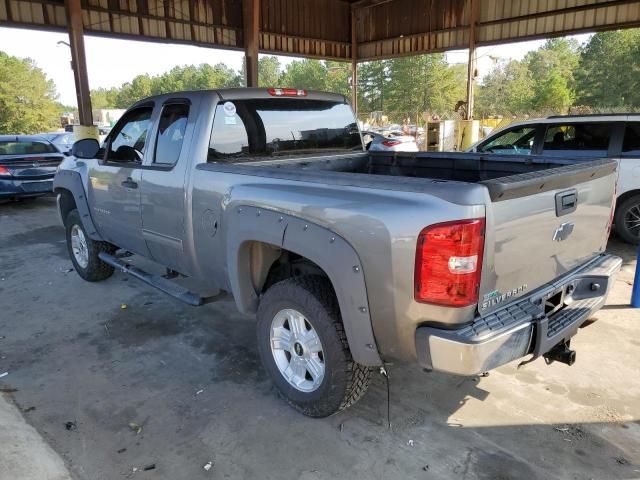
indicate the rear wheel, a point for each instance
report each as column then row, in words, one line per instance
column 627, row 220
column 304, row 348
column 84, row 251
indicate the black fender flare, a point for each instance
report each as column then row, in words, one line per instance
column 72, row 182
column 328, row 250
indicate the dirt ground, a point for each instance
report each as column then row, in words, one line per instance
column 191, row 380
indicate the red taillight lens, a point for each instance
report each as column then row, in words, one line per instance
column 391, row 143
column 4, row 171
column 449, row 263
column 287, row 92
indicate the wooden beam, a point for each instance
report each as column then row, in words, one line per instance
column 471, row 68
column 251, row 22
column 78, row 60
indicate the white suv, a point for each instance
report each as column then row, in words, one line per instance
column 583, row 137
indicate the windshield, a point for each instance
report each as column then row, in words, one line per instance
column 13, row 147
column 281, row 126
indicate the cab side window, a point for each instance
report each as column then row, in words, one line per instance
column 631, row 142
column 128, row 139
column 171, row 130
column 517, row 141
column 577, row 140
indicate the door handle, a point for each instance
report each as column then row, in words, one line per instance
column 566, row 202
column 129, row 183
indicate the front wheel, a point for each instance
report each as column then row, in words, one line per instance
column 627, row 220
column 304, row 348
column 84, row 251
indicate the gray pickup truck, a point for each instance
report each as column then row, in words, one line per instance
column 349, row 259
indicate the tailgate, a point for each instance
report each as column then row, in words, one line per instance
column 541, row 225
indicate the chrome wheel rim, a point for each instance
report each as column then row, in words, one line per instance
column 632, row 220
column 297, row 350
column 79, row 246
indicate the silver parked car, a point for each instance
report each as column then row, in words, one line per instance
column 390, row 142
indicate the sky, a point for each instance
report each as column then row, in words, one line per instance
column 112, row 62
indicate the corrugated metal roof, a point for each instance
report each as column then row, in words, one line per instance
column 421, row 26
column 322, row 28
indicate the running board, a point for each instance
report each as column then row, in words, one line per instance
column 170, row 288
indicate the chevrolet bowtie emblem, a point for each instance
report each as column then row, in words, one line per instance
column 562, row 232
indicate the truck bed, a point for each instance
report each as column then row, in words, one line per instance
column 463, row 167
column 505, row 177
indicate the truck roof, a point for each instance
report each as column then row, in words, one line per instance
column 243, row 94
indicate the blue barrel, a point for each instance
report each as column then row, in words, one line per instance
column 635, row 295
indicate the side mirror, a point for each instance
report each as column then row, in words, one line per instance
column 85, row 148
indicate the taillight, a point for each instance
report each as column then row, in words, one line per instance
column 287, row 92
column 449, row 263
column 391, row 143
column 5, row 171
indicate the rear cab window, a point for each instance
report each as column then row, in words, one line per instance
column 251, row 129
column 516, row 141
column 577, row 139
column 27, row 147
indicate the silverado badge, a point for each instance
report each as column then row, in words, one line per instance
column 496, row 297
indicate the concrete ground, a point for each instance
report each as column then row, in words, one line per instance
column 190, row 381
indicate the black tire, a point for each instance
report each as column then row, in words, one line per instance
column 96, row 269
column 344, row 381
column 626, row 210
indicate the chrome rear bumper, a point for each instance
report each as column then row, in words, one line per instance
column 521, row 327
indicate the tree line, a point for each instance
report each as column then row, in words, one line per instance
column 559, row 77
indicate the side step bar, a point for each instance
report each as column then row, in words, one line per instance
column 170, row 288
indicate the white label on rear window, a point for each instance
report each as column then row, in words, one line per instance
column 229, row 109
column 229, row 120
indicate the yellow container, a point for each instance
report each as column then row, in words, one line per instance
column 468, row 133
column 82, row 131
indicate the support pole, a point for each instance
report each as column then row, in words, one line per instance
column 354, row 63
column 78, row 61
column 251, row 22
column 471, row 72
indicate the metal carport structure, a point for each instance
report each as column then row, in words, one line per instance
column 345, row 30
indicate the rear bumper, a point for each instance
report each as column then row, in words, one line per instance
column 521, row 327
column 14, row 187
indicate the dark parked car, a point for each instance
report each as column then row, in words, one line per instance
column 27, row 165
column 63, row 141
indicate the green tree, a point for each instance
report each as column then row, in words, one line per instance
column 424, row 83
column 543, row 81
column 552, row 69
column 372, row 85
column 104, row 98
column 507, row 89
column 27, row 97
column 338, row 78
column 269, row 71
column 609, row 73
column 308, row 74
column 191, row 77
